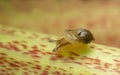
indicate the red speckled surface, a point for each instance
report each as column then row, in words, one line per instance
column 25, row 52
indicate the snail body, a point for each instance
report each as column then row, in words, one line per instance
column 75, row 38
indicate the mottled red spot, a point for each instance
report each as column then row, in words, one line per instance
column 95, row 61
column 14, row 47
column 56, row 73
column 26, row 73
column 59, row 56
column 74, row 53
column 107, row 65
column 116, row 60
column 26, row 52
column 6, row 47
column 13, row 65
column 62, row 69
column 34, row 51
column 36, row 72
column 70, row 74
column 1, row 44
column 16, row 62
column 5, row 60
column 53, row 58
column 3, row 54
column 71, row 58
column 9, row 43
column 92, row 46
column 23, row 64
column 79, row 63
column 43, row 45
column 16, row 42
column 11, row 32
column 2, row 65
column 107, row 52
column 50, row 53
column 44, row 53
column 1, row 74
column 24, row 68
column 9, row 69
column 3, row 70
column 12, row 73
column 100, row 68
column 34, row 47
column 117, row 70
column 63, row 73
column 118, row 65
column 16, row 68
column 36, row 56
column 11, row 58
column 24, row 46
column 100, row 49
column 94, row 74
column 3, row 57
column 48, row 66
column 37, row 61
column 29, row 62
column 44, row 73
column 88, row 63
column 37, row 67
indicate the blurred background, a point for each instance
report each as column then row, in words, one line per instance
column 101, row 17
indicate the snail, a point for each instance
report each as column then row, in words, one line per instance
column 76, row 36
